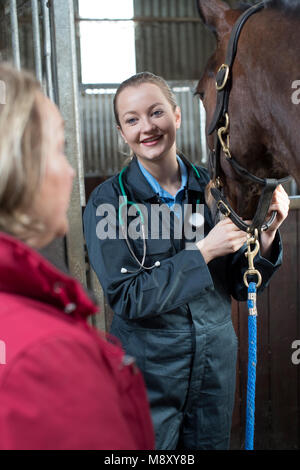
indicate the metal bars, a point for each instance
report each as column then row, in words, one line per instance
column 67, row 93
column 15, row 34
column 36, row 40
column 171, row 40
column 55, row 65
column 47, row 48
column 151, row 19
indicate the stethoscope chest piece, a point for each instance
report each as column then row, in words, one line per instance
column 155, row 265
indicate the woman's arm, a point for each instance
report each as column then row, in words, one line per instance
column 62, row 394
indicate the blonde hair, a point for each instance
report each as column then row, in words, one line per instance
column 21, row 153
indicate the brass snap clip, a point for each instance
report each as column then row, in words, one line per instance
column 225, row 130
column 251, row 271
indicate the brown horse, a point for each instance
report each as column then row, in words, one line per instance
column 263, row 106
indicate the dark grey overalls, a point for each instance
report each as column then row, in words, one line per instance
column 175, row 319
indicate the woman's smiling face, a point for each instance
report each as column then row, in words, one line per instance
column 148, row 121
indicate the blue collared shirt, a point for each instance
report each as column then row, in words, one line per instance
column 166, row 197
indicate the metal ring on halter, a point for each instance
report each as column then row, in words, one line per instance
column 251, row 271
column 223, row 84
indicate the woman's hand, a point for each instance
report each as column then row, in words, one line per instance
column 226, row 238
column 223, row 239
column 280, row 203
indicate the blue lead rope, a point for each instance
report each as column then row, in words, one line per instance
column 252, row 339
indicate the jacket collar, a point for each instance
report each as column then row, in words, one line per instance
column 137, row 182
column 194, row 183
column 142, row 190
column 24, row 272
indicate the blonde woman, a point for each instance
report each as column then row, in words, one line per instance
column 63, row 386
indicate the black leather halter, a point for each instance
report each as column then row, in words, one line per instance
column 220, row 125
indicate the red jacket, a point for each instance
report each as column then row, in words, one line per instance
column 62, row 385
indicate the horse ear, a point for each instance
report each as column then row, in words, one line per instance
column 212, row 12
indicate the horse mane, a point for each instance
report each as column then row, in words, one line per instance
column 243, row 6
column 288, row 7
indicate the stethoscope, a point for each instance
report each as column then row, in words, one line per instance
column 195, row 220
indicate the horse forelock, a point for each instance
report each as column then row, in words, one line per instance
column 243, row 6
column 285, row 6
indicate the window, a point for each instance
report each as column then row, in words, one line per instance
column 107, row 40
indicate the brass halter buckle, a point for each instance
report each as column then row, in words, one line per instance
column 223, row 84
column 251, row 271
column 218, row 182
column 227, row 211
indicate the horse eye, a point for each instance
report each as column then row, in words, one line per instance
column 200, row 94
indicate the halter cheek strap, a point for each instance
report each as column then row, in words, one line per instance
column 223, row 78
column 220, row 125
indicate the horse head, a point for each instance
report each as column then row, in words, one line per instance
column 264, row 120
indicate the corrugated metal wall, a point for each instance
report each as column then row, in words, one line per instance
column 170, row 39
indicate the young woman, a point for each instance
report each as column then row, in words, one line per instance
column 171, row 299
column 62, row 386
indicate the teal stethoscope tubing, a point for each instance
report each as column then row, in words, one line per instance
column 122, row 225
column 126, row 202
